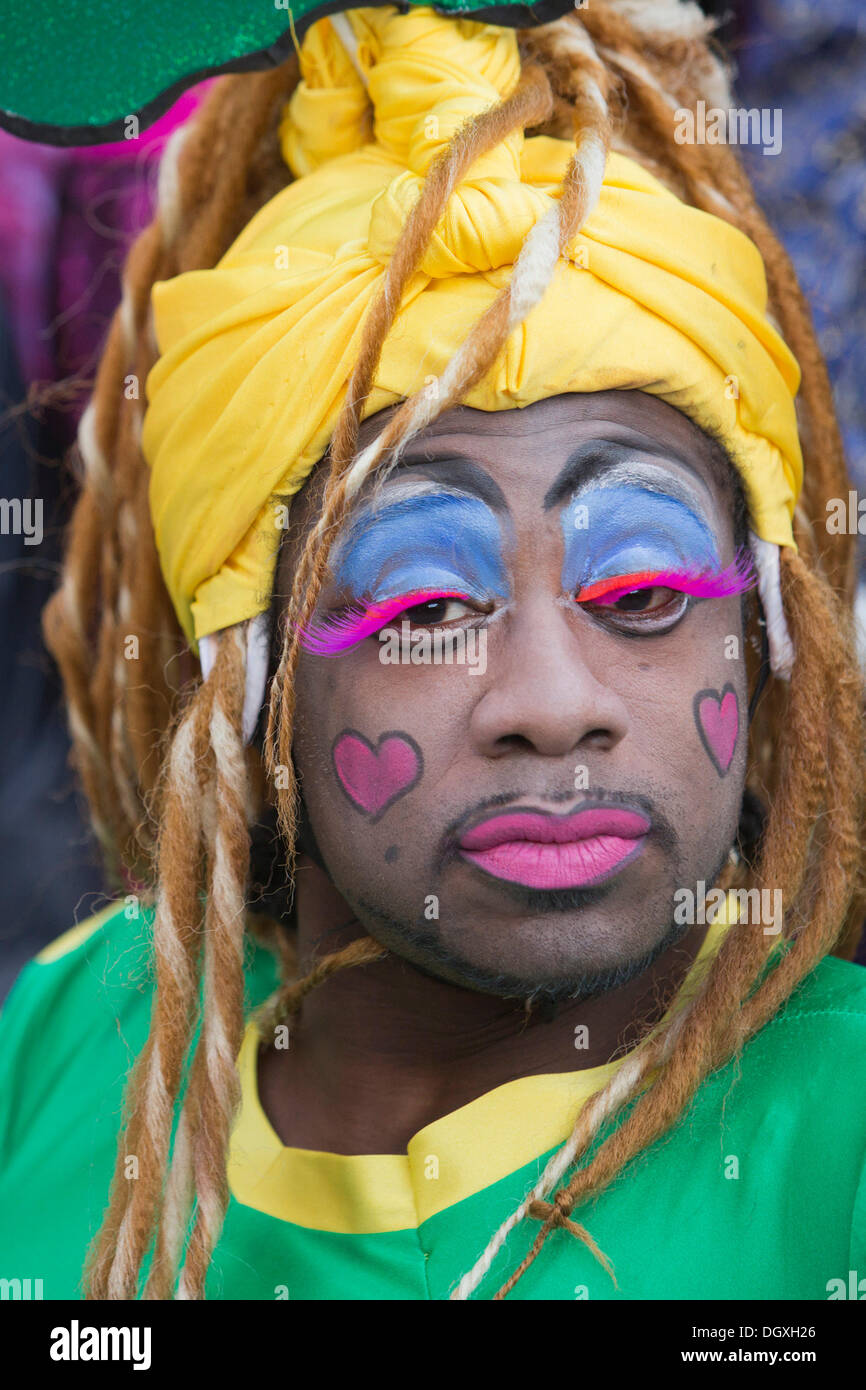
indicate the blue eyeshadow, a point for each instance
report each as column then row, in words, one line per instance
column 429, row 540
column 624, row 529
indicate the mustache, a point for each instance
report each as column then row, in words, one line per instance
column 662, row 831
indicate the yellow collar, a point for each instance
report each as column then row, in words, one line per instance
column 451, row 1159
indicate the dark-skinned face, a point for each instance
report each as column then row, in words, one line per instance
column 518, row 820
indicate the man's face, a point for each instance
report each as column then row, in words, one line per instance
column 518, row 819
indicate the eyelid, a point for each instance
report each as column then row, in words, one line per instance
column 340, row 632
column 615, row 587
column 443, row 584
column 709, row 582
column 628, row 526
column 414, row 597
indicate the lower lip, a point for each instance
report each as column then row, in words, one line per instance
column 573, row 864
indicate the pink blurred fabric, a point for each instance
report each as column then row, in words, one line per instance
column 67, row 218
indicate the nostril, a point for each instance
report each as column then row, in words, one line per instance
column 515, row 742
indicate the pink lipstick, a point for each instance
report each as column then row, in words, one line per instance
column 542, row 851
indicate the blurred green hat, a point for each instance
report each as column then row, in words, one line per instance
column 73, row 73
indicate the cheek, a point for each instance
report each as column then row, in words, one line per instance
column 719, row 723
column 378, row 746
column 695, row 731
column 688, row 708
column 371, row 741
column 719, row 704
column 373, row 775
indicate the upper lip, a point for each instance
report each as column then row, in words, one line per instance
column 530, row 823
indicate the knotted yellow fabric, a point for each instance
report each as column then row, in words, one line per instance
column 256, row 353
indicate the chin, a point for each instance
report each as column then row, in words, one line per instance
column 527, row 970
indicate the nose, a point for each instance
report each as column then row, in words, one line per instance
column 541, row 694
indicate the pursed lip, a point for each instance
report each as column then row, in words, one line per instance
column 545, row 851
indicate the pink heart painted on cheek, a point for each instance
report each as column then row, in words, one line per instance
column 718, row 721
column 374, row 778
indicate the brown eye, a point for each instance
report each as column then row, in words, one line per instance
column 639, row 612
column 437, row 610
column 643, row 600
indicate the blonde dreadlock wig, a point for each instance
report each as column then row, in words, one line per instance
column 416, row 212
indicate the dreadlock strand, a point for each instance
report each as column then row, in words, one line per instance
column 288, row 998
column 132, row 1212
column 218, row 1091
column 98, row 551
column 67, row 621
column 237, row 116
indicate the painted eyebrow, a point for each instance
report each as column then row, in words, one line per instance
column 457, row 471
column 593, row 457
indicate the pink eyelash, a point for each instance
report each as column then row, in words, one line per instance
column 335, row 635
column 707, row 583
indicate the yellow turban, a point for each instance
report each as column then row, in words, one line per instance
column 256, row 353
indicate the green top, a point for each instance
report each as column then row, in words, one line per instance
column 758, row 1193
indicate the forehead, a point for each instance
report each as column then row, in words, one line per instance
column 525, row 449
